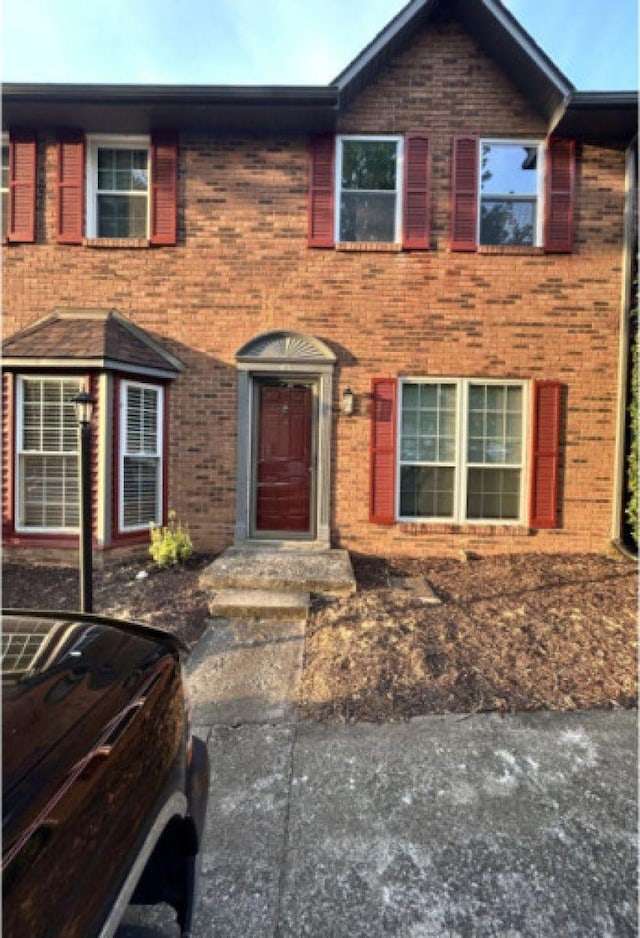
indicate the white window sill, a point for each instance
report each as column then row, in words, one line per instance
column 116, row 242
column 388, row 247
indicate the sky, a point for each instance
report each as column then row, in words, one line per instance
column 276, row 42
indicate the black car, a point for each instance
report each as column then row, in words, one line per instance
column 104, row 787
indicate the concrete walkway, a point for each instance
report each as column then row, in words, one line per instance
column 443, row 826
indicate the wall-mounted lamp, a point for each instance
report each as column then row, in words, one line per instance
column 347, row 402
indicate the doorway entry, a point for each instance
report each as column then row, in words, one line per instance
column 284, row 482
column 285, row 388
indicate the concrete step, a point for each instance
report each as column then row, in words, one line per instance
column 260, row 604
column 327, row 571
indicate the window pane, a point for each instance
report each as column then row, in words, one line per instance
column 426, row 492
column 369, row 164
column 493, row 494
column 142, row 420
column 494, row 424
column 48, row 463
column 428, row 449
column 428, row 434
column 509, row 169
column 367, row 216
column 410, row 396
column 507, row 222
column 122, row 216
column 140, row 491
column 409, row 448
column 409, row 423
column 428, row 423
column 122, row 170
column 49, row 488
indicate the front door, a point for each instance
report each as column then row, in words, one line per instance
column 284, row 477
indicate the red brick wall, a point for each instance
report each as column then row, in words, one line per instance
column 242, row 267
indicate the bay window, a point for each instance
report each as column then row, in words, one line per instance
column 47, row 455
column 141, row 409
column 461, row 450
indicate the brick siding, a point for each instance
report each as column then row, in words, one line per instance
column 242, row 267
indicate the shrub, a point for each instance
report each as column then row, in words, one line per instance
column 171, row 544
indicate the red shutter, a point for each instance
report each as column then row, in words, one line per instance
column 70, row 196
column 321, row 198
column 8, row 450
column 164, row 189
column 383, row 451
column 546, row 454
column 464, row 200
column 560, row 182
column 22, row 187
column 416, row 192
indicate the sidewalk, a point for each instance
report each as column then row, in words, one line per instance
column 523, row 825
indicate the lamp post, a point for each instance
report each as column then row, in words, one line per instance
column 84, row 403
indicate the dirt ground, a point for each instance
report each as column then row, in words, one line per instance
column 419, row 636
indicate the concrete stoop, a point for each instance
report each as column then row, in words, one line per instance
column 327, row 571
column 258, row 583
column 259, row 604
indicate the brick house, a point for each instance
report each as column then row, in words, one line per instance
column 391, row 313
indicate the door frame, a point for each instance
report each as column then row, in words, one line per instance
column 294, row 356
column 258, row 382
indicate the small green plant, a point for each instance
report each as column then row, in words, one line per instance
column 170, row 544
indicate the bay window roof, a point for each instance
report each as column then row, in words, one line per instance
column 73, row 339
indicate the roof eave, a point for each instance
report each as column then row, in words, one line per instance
column 60, row 363
column 608, row 118
column 143, row 108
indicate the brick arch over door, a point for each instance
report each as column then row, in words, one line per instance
column 284, row 359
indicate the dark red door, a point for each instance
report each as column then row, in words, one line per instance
column 283, row 500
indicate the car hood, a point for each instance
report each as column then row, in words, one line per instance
column 69, row 686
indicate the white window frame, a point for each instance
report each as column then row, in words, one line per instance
column 158, row 455
column 20, row 452
column 462, row 465
column 538, row 239
column 398, row 139
column 94, row 143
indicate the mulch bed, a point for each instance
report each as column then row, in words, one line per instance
column 509, row 633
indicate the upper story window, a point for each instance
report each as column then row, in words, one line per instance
column 510, row 193
column 118, row 187
column 369, row 186
column 513, row 194
column 370, row 190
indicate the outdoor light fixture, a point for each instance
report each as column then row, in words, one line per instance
column 347, row 402
column 84, row 404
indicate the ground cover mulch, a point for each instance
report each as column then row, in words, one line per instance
column 167, row 597
column 508, row 633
